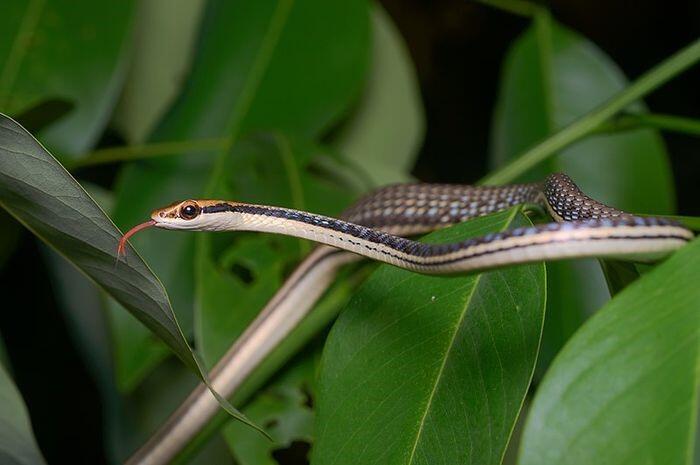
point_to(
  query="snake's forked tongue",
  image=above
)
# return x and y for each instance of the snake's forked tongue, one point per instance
(121, 248)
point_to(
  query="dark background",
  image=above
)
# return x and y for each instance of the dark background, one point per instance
(458, 48)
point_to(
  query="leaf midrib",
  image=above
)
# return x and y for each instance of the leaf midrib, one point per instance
(438, 377)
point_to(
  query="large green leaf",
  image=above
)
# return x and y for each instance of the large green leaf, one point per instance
(551, 76)
(66, 50)
(164, 37)
(44, 197)
(386, 130)
(41, 194)
(17, 443)
(624, 389)
(324, 313)
(431, 369)
(263, 77)
(79, 300)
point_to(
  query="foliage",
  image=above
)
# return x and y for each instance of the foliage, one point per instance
(17, 445)
(309, 104)
(551, 77)
(411, 353)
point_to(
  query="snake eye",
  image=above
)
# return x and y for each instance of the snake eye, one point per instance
(189, 211)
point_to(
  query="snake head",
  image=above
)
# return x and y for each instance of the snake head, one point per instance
(184, 215)
(201, 215)
(179, 215)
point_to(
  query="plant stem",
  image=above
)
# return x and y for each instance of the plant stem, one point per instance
(671, 123)
(157, 149)
(588, 123)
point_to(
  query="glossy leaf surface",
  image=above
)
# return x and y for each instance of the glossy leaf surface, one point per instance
(38, 192)
(624, 388)
(45, 198)
(431, 369)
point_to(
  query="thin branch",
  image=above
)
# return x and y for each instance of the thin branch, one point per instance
(588, 123)
(157, 149)
(670, 123)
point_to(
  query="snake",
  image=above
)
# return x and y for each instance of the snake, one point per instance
(377, 227)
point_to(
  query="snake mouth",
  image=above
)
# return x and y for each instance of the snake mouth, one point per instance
(121, 248)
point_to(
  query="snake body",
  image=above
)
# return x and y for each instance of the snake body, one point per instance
(372, 228)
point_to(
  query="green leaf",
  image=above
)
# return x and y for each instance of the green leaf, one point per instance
(301, 92)
(135, 349)
(264, 77)
(164, 39)
(284, 408)
(134, 353)
(619, 274)
(428, 369)
(624, 388)
(320, 318)
(66, 50)
(236, 279)
(552, 76)
(386, 130)
(17, 443)
(41, 195)
(144, 409)
(129, 418)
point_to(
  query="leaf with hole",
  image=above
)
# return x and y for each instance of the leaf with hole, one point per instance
(284, 409)
(237, 277)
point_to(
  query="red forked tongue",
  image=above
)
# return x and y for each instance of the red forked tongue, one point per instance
(121, 248)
